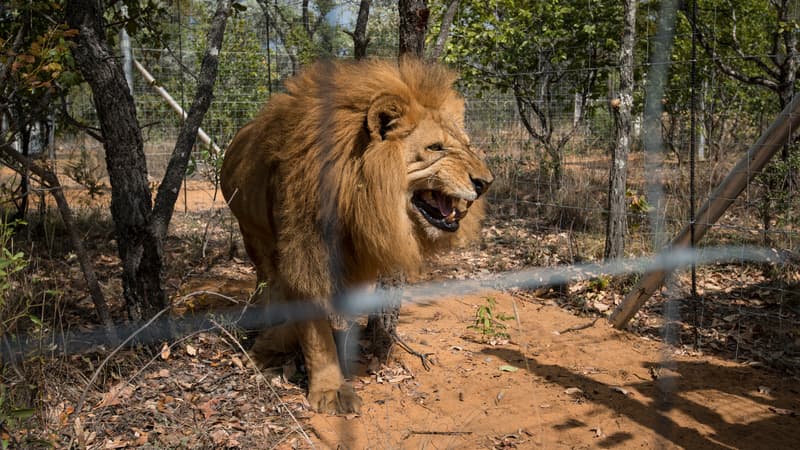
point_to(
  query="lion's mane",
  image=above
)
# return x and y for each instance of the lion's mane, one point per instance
(335, 212)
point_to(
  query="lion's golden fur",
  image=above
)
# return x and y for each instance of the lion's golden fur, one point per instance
(304, 156)
(319, 180)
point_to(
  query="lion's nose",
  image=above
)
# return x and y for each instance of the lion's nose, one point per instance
(480, 184)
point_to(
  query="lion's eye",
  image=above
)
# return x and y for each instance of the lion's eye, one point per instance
(437, 147)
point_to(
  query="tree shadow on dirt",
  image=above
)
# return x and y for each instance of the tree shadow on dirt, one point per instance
(671, 394)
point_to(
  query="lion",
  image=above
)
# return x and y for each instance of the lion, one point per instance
(358, 170)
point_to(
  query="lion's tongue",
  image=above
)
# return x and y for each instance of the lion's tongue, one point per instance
(445, 205)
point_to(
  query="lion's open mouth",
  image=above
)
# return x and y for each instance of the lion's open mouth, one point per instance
(441, 210)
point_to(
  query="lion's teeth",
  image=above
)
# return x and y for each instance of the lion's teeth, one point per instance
(451, 217)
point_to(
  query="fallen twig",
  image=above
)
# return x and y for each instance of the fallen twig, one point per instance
(580, 327)
(442, 433)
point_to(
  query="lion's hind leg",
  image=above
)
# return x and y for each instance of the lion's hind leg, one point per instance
(275, 346)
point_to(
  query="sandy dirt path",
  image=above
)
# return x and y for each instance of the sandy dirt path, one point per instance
(550, 388)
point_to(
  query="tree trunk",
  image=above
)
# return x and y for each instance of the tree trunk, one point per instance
(179, 160)
(359, 35)
(139, 248)
(444, 29)
(382, 325)
(617, 225)
(413, 26)
(24, 184)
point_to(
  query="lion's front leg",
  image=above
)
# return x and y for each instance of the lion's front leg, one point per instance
(328, 392)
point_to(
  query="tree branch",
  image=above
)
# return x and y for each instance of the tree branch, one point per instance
(727, 69)
(50, 180)
(91, 131)
(265, 7)
(15, 47)
(737, 48)
(522, 105)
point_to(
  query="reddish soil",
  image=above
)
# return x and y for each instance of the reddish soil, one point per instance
(592, 387)
(554, 382)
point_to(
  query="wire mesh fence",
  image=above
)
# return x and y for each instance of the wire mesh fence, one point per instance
(545, 229)
(528, 204)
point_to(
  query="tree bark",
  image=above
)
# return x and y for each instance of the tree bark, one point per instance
(617, 224)
(359, 35)
(444, 30)
(138, 246)
(140, 230)
(413, 26)
(179, 160)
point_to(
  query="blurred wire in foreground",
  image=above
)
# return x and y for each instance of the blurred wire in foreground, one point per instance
(367, 300)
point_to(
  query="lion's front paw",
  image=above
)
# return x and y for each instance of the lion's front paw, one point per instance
(343, 400)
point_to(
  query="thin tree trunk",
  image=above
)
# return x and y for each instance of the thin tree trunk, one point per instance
(274, 18)
(139, 247)
(178, 162)
(413, 26)
(382, 325)
(617, 225)
(50, 180)
(359, 35)
(444, 29)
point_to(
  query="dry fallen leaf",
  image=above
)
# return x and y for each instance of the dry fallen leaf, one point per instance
(163, 373)
(116, 395)
(141, 436)
(191, 350)
(597, 432)
(573, 391)
(63, 417)
(233, 442)
(237, 362)
(112, 444)
(165, 351)
(207, 408)
(620, 389)
(220, 437)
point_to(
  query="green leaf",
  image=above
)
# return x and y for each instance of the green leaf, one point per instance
(23, 413)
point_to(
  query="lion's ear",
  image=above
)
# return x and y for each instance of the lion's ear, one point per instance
(385, 114)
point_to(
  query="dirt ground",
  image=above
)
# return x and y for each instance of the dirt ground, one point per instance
(557, 380)
(553, 385)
